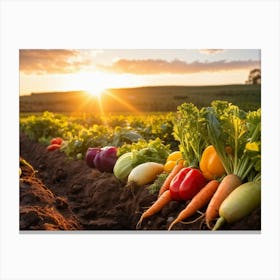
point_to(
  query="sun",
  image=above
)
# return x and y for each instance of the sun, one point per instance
(96, 91)
(92, 83)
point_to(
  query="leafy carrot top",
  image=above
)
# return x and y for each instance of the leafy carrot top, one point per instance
(230, 126)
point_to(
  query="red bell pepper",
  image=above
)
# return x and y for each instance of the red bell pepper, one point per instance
(193, 182)
(176, 182)
(186, 184)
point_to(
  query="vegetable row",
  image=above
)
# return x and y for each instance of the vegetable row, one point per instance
(82, 131)
(214, 163)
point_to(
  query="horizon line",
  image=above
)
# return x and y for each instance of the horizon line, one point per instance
(135, 87)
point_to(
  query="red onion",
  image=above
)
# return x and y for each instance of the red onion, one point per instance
(105, 160)
(90, 155)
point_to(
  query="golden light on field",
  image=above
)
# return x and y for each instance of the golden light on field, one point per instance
(97, 86)
(123, 102)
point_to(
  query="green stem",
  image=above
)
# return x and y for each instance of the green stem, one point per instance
(219, 223)
(257, 178)
(255, 133)
(235, 147)
(243, 162)
(245, 173)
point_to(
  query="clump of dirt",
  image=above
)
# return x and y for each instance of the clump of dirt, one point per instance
(87, 199)
(40, 209)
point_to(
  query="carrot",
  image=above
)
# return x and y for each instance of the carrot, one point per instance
(197, 202)
(169, 178)
(227, 185)
(156, 207)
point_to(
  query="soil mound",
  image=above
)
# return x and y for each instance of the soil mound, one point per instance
(40, 209)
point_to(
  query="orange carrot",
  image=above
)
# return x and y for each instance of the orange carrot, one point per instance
(156, 207)
(227, 185)
(169, 178)
(197, 202)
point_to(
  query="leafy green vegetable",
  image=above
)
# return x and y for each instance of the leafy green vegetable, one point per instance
(253, 146)
(189, 132)
(84, 130)
(229, 126)
(155, 187)
(95, 136)
(143, 151)
(124, 135)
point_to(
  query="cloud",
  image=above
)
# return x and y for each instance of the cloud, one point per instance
(61, 61)
(53, 61)
(150, 66)
(211, 51)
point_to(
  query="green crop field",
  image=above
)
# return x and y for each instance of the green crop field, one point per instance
(142, 99)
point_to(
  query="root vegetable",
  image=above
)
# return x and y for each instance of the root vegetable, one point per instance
(90, 155)
(227, 185)
(145, 173)
(198, 201)
(240, 203)
(105, 159)
(163, 200)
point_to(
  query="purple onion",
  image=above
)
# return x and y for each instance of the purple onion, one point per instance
(105, 160)
(90, 156)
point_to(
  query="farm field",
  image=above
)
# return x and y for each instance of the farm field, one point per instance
(60, 189)
(142, 99)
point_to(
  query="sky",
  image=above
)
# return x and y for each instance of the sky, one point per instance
(93, 70)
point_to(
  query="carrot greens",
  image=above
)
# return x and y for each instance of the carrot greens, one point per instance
(230, 126)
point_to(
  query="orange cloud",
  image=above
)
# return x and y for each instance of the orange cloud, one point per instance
(51, 61)
(211, 51)
(150, 66)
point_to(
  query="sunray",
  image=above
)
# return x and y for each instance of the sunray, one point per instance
(123, 102)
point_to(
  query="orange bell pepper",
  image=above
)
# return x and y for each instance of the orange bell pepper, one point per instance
(210, 163)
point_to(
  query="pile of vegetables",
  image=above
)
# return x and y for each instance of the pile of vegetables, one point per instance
(138, 162)
(135, 154)
(221, 167)
(229, 126)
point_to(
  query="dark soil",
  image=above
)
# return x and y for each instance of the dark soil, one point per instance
(65, 194)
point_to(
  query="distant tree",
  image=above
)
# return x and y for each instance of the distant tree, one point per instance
(254, 77)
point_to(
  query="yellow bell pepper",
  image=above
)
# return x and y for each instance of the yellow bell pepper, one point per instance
(210, 164)
(169, 165)
(172, 160)
(174, 156)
